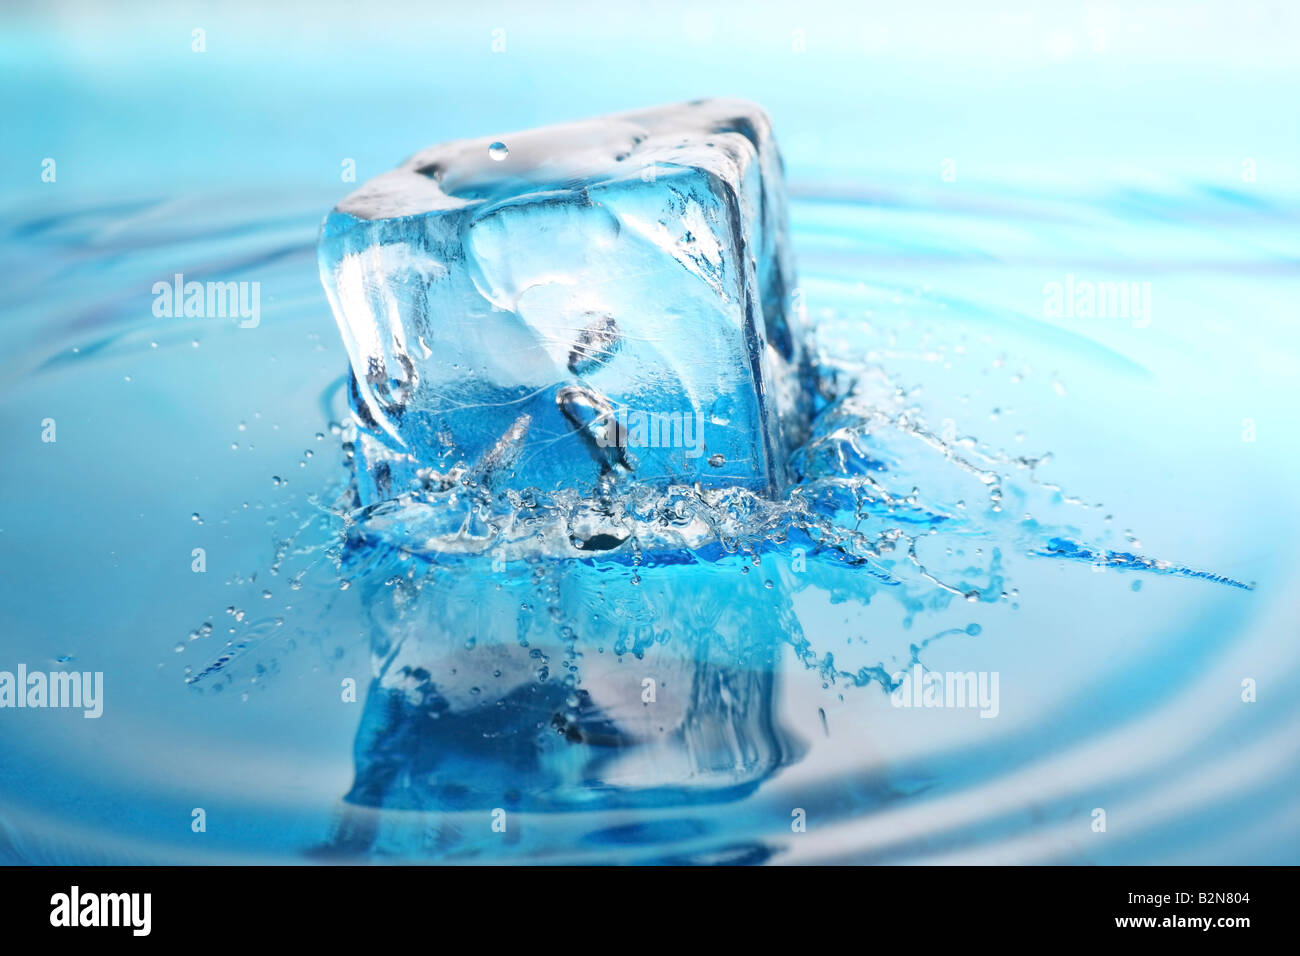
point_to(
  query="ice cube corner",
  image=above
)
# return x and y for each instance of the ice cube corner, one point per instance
(542, 308)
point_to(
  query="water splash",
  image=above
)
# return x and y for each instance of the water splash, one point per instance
(881, 505)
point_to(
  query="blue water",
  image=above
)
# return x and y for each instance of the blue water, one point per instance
(1135, 565)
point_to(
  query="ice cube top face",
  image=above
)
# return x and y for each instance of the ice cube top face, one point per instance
(541, 308)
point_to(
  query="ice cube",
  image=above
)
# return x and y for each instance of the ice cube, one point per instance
(543, 308)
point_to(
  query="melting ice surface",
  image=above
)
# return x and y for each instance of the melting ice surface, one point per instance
(611, 295)
(563, 616)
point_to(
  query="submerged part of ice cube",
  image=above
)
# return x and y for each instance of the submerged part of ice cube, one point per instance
(601, 298)
(568, 687)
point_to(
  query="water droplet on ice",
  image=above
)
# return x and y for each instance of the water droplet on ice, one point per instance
(498, 151)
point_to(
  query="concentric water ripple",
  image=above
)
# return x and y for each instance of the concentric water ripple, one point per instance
(1121, 689)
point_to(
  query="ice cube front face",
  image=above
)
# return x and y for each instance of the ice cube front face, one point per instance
(607, 296)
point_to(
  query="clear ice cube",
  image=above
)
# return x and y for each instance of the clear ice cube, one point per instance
(539, 309)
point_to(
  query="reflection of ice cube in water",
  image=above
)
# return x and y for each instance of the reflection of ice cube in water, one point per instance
(570, 687)
(636, 262)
